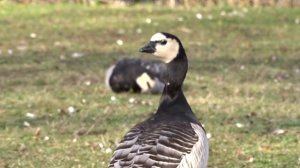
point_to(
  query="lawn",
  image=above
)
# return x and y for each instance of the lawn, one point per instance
(55, 111)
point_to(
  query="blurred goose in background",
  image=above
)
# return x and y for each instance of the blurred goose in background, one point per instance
(134, 74)
(172, 137)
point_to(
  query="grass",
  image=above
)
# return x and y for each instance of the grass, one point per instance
(244, 70)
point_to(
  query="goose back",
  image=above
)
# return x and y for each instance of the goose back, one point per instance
(161, 142)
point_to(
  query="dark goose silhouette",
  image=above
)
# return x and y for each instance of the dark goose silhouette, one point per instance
(136, 75)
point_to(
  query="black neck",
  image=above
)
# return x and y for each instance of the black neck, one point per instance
(172, 98)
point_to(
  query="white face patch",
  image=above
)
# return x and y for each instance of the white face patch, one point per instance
(145, 82)
(158, 37)
(168, 51)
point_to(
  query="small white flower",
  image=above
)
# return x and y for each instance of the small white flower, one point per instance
(74, 140)
(131, 100)
(148, 20)
(250, 160)
(71, 109)
(208, 135)
(297, 21)
(108, 150)
(139, 31)
(10, 52)
(57, 43)
(239, 125)
(279, 131)
(242, 67)
(77, 55)
(88, 83)
(33, 35)
(46, 138)
(83, 101)
(180, 19)
(101, 145)
(120, 42)
(62, 57)
(223, 13)
(199, 16)
(30, 115)
(26, 124)
(113, 98)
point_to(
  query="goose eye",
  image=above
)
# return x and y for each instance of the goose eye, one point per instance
(163, 42)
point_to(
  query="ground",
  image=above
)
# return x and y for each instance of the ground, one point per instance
(55, 111)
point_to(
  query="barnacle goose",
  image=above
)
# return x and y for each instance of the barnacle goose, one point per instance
(172, 137)
(134, 74)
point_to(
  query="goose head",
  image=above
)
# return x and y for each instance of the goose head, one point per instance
(169, 49)
(165, 46)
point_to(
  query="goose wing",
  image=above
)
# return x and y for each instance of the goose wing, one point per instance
(164, 145)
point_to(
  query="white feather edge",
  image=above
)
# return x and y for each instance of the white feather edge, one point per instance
(108, 74)
(198, 157)
(125, 151)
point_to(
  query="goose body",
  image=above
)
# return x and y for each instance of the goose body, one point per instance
(133, 74)
(172, 137)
